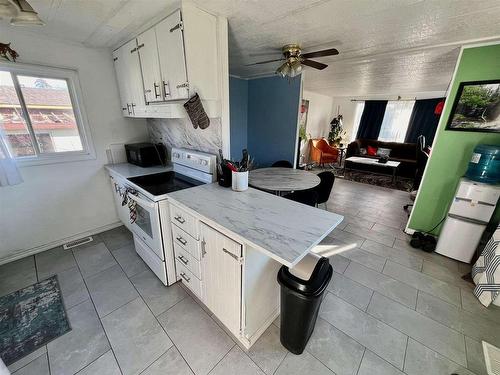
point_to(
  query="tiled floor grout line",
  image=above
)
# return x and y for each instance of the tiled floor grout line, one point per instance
(360, 362)
(155, 317)
(281, 363)
(224, 356)
(95, 309)
(406, 352)
(354, 339)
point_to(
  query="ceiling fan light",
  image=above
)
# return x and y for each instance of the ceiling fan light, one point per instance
(26, 16)
(295, 68)
(284, 70)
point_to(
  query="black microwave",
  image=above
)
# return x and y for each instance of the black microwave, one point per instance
(146, 154)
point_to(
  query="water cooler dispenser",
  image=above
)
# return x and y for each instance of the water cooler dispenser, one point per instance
(473, 205)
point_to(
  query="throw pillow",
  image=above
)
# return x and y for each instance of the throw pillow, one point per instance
(383, 151)
(372, 151)
(362, 151)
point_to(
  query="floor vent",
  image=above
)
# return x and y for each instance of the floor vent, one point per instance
(492, 358)
(76, 243)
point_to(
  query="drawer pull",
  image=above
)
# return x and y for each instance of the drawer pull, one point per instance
(230, 253)
(183, 260)
(181, 240)
(203, 248)
(180, 219)
(183, 275)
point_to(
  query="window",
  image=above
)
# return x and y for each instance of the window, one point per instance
(40, 115)
(395, 123)
(360, 106)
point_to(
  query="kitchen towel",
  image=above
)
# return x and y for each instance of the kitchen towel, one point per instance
(197, 113)
(486, 271)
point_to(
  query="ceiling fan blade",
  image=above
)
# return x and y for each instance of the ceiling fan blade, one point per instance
(265, 62)
(325, 52)
(314, 64)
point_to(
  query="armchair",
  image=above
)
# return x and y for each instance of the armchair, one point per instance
(321, 152)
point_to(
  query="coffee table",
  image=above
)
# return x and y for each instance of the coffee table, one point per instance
(367, 161)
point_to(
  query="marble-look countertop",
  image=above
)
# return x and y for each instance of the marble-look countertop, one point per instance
(282, 179)
(127, 170)
(283, 229)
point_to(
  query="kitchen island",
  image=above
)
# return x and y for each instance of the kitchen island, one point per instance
(229, 246)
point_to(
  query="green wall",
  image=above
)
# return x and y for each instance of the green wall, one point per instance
(452, 149)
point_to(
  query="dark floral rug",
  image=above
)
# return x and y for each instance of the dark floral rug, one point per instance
(401, 183)
(30, 318)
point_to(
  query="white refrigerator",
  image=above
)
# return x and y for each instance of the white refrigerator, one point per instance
(467, 218)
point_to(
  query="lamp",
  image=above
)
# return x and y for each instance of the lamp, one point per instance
(25, 16)
(290, 68)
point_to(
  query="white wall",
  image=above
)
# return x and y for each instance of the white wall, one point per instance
(64, 200)
(347, 110)
(319, 115)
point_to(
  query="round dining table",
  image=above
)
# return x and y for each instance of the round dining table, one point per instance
(282, 180)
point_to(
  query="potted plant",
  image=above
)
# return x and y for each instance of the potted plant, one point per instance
(337, 132)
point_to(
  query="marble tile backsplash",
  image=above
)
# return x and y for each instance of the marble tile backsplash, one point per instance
(180, 133)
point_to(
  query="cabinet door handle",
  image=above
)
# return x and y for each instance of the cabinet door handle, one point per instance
(140, 46)
(128, 109)
(183, 85)
(183, 260)
(181, 240)
(183, 275)
(203, 248)
(157, 95)
(180, 219)
(230, 253)
(166, 88)
(147, 91)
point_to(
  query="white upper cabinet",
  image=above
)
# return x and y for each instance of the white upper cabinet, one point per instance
(129, 76)
(172, 57)
(151, 76)
(122, 80)
(170, 62)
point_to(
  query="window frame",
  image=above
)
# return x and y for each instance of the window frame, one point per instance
(76, 97)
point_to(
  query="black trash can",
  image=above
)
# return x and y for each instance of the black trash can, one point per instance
(300, 301)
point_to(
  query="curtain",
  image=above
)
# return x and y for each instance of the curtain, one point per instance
(371, 119)
(395, 123)
(9, 173)
(423, 121)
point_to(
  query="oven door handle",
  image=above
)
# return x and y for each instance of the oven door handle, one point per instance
(141, 202)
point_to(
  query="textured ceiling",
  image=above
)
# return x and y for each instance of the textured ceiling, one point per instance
(386, 46)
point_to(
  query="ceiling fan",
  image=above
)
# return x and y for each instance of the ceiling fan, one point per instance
(294, 59)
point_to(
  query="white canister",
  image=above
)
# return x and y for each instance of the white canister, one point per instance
(240, 181)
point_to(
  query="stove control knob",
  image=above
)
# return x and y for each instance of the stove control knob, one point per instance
(203, 162)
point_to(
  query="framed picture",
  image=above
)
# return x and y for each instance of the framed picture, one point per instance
(476, 107)
(304, 110)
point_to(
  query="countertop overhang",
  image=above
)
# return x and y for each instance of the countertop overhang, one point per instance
(283, 229)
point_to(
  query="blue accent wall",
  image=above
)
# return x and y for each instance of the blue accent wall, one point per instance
(238, 117)
(263, 118)
(273, 106)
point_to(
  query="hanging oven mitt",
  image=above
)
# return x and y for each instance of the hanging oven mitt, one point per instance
(197, 113)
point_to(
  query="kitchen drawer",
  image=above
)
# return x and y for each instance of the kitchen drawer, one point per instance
(190, 280)
(151, 259)
(184, 220)
(188, 260)
(187, 242)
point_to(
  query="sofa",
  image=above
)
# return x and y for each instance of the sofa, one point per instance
(321, 152)
(405, 153)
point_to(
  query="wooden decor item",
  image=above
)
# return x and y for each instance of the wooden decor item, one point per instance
(8, 53)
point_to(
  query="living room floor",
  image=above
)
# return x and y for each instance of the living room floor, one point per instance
(389, 309)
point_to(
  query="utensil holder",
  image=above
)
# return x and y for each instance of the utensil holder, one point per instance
(240, 181)
(225, 177)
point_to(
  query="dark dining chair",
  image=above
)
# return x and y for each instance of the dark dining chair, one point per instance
(309, 197)
(324, 188)
(282, 164)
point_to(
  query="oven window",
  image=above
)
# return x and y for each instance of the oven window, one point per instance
(143, 220)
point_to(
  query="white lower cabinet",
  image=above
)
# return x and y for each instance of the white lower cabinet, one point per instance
(221, 268)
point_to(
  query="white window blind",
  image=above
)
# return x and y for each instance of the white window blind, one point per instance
(395, 123)
(360, 106)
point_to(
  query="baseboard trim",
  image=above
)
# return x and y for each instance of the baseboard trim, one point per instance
(60, 242)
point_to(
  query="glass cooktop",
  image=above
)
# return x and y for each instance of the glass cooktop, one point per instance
(162, 183)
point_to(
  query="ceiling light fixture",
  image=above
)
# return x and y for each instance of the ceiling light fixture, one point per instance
(21, 14)
(7, 10)
(290, 68)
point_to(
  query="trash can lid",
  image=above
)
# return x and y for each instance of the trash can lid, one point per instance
(315, 284)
